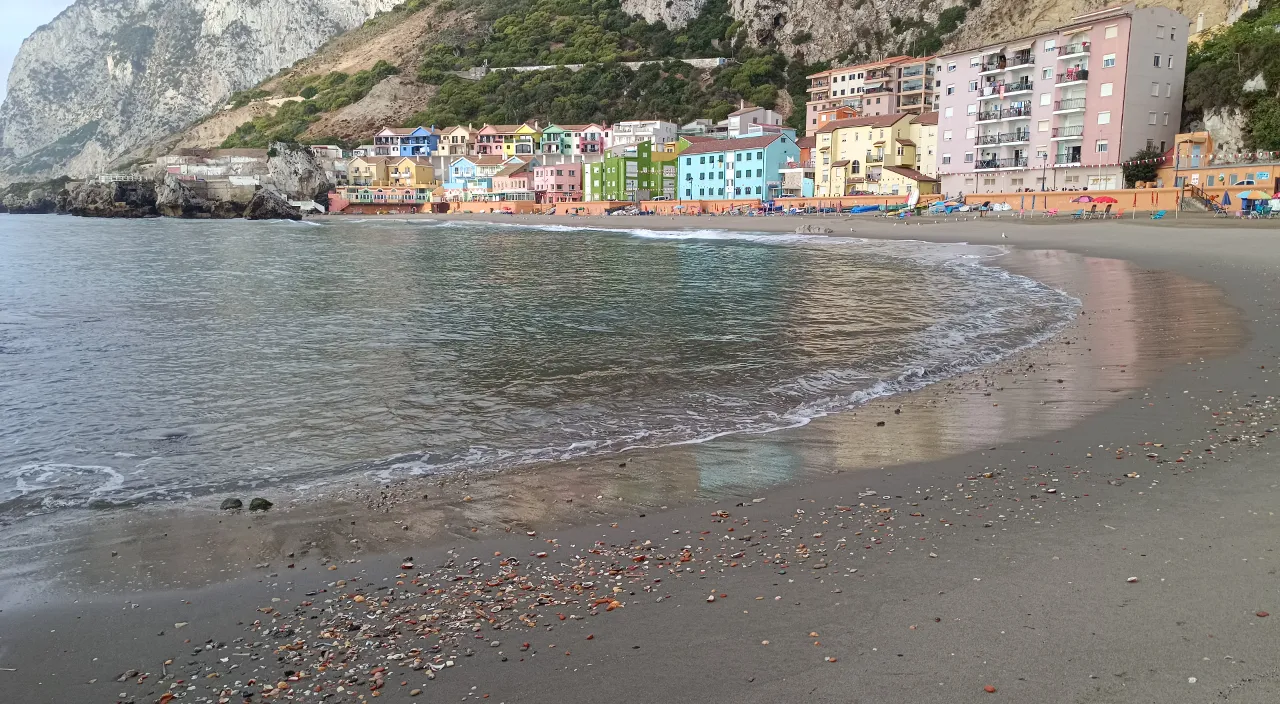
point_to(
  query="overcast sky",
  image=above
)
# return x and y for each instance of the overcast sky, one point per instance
(20, 19)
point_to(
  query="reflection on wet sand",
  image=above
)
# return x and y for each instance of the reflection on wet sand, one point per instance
(1133, 323)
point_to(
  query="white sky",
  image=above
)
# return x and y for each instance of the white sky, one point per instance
(20, 19)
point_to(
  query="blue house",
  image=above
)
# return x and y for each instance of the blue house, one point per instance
(746, 167)
(408, 141)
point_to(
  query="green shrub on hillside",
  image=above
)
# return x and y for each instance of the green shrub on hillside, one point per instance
(1219, 67)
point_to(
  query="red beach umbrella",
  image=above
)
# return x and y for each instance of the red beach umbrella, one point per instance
(1105, 199)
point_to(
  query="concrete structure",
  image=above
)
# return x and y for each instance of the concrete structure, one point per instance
(798, 180)
(741, 120)
(457, 141)
(410, 141)
(560, 183)
(895, 84)
(508, 140)
(1065, 107)
(741, 168)
(214, 163)
(627, 173)
(573, 140)
(513, 182)
(637, 131)
(1194, 160)
(924, 132)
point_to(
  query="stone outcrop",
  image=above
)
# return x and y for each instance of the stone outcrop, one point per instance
(36, 202)
(296, 172)
(105, 76)
(269, 204)
(122, 199)
(176, 199)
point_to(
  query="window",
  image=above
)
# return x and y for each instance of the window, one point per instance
(1156, 61)
(973, 86)
(1050, 45)
(968, 157)
(1108, 60)
(972, 109)
(702, 160)
(1047, 74)
(1046, 98)
(1042, 126)
(1173, 34)
(974, 61)
(948, 112)
(1110, 32)
(988, 182)
(1159, 31)
(1233, 179)
(1168, 61)
(1101, 146)
(951, 89)
(946, 158)
(1151, 118)
(1168, 90)
(1104, 118)
(737, 174)
(971, 133)
(1105, 90)
(946, 134)
(759, 155)
(759, 173)
(688, 192)
(951, 66)
(1155, 90)
(1166, 119)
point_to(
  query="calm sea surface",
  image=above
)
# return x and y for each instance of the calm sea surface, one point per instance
(161, 359)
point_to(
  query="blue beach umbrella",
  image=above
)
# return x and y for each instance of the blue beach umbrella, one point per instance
(1226, 198)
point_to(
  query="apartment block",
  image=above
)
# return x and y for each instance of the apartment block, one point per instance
(892, 85)
(1063, 108)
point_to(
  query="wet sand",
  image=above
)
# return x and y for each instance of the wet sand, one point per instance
(998, 581)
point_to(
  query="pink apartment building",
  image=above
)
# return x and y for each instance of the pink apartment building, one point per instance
(561, 183)
(1062, 109)
(892, 85)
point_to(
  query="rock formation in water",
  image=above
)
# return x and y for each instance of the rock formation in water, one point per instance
(121, 199)
(270, 204)
(296, 172)
(176, 199)
(35, 202)
(108, 75)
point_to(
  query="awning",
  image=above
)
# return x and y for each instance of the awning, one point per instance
(1020, 46)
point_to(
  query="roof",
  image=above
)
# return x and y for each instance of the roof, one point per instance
(745, 110)
(909, 173)
(927, 118)
(505, 129)
(866, 121)
(419, 160)
(576, 128)
(807, 142)
(731, 145)
(399, 130)
(907, 142)
(698, 138)
(373, 159)
(488, 160)
(510, 170)
(842, 162)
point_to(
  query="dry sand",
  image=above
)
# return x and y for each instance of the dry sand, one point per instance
(1018, 581)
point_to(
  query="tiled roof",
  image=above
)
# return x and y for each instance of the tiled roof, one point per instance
(744, 111)
(502, 129)
(488, 160)
(869, 121)
(510, 170)
(731, 145)
(907, 142)
(842, 162)
(698, 138)
(927, 118)
(399, 130)
(807, 142)
(910, 173)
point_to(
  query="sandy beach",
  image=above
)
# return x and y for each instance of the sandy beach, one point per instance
(1090, 520)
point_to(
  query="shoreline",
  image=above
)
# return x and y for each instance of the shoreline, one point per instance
(648, 624)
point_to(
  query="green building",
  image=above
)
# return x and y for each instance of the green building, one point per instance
(627, 173)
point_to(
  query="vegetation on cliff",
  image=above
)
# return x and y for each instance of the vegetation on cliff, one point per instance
(1238, 69)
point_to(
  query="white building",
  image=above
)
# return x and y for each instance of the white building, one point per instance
(740, 121)
(636, 131)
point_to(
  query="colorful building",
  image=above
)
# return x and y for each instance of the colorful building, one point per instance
(508, 140)
(745, 167)
(637, 131)
(457, 141)
(851, 154)
(740, 120)
(924, 132)
(573, 140)
(559, 183)
(411, 171)
(892, 85)
(514, 181)
(1063, 108)
(627, 173)
(1195, 160)
(367, 170)
(410, 141)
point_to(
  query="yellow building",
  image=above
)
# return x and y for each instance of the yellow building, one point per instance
(901, 181)
(1195, 160)
(368, 170)
(850, 155)
(412, 172)
(924, 132)
(456, 141)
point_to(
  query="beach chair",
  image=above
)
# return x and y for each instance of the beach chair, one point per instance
(1078, 215)
(1051, 213)
(1158, 215)
(1092, 212)
(1119, 214)
(1105, 213)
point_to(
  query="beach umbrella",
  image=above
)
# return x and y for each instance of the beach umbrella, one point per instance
(1105, 199)
(1226, 199)
(1253, 195)
(1082, 199)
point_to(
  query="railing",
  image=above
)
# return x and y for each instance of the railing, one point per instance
(1072, 131)
(1019, 136)
(989, 115)
(912, 87)
(911, 102)
(881, 89)
(997, 65)
(1009, 163)
(1069, 104)
(875, 158)
(1080, 74)
(1069, 49)
(1015, 112)
(912, 72)
(987, 139)
(818, 84)
(1022, 60)
(1068, 158)
(995, 88)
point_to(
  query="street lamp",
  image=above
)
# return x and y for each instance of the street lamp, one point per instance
(1177, 163)
(1044, 166)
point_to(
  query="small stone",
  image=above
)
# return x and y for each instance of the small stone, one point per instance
(1191, 680)
(259, 504)
(415, 692)
(1131, 580)
(989, 689)
(231, 505)
(1263, 614)
(711, 598)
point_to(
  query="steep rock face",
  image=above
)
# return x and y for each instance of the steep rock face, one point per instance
(176, 199)
(107, 75)
(33, 203)
(131, 199)
(675, 13)
(269, 204)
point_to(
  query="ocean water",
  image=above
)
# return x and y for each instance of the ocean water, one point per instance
(163, 360)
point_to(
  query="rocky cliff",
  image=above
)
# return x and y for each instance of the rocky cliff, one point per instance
(107, 75)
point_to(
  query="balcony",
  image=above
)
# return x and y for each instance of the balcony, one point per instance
(1018, 162)
(989, 115)
(1067, 159)
(992, 66)
(913, 71)
(1070, 132)
(1001, 89)
(1016, 113)
(1078, 75)
(877, 89)
(912, 86)
(1015, 137)
(1068, 105)
(912, 102)
(1079, 49)
(987, 139)
(875, 159)
(1020, 60)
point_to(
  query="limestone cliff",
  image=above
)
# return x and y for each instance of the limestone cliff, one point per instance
(107, 75)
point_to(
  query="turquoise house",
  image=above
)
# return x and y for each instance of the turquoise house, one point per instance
(747, 167)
